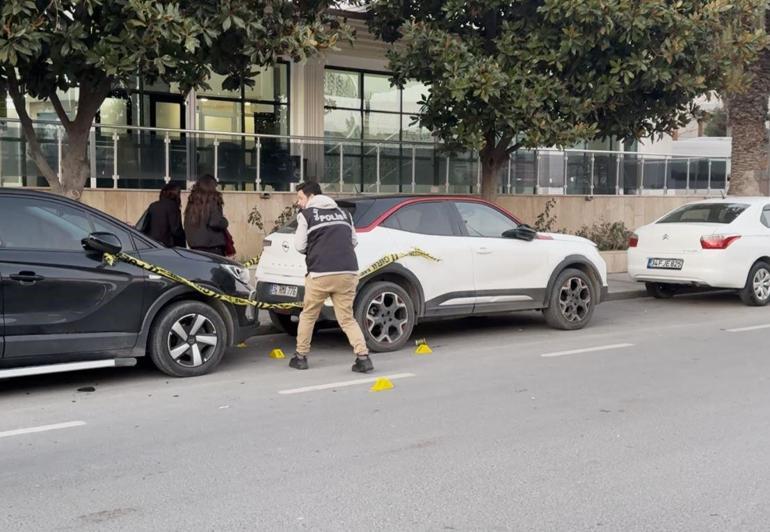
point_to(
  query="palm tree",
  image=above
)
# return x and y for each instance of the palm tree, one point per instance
(747, 116)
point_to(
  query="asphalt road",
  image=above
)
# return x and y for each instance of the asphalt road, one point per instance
(655, 418)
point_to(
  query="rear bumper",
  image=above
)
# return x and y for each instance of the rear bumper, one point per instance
(264, 296)
(698, 270)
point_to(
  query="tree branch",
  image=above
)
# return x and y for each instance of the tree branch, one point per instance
(59, 108)
(33, 145)
(513, 148)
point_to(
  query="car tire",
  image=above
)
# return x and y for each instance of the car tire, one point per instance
(756, 293)
(387, 317)
(662, 290)
(571, 301)
(284, 323)
(172, 332)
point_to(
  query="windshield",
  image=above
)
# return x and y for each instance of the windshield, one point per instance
(711, 213)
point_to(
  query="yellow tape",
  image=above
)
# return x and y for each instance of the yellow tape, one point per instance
(111, 259)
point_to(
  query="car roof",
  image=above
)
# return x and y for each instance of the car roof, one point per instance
(751, 200)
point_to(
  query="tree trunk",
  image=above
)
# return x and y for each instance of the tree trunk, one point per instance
(75, 166)
(492, 161)
(747, 116)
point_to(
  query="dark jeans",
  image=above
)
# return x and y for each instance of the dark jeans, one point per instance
(218, 250)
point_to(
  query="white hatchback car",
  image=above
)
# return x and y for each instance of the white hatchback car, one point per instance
(721, 243)
(489, 263)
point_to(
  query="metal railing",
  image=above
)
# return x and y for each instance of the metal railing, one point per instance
(142, 157)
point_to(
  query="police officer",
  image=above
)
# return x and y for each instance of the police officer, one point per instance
(327, 238)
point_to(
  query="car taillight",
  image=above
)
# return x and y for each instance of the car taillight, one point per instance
(633, 240)
(717, 241)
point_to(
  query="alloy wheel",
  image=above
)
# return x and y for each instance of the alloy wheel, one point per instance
(761, 284)
(192, 340)
(575, 299)
(387, 317)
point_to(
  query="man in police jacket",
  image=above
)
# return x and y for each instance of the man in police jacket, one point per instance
(327, 238)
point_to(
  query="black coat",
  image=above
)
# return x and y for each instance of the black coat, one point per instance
(164, 223)
(209, 232)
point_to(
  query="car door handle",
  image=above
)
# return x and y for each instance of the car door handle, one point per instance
(483, 251)
(27, 277)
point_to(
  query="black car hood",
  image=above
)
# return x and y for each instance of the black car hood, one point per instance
(202, 256)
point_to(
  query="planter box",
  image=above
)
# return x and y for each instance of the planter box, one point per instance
(617, 261)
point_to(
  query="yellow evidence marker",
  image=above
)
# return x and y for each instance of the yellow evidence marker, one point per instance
(381, 384)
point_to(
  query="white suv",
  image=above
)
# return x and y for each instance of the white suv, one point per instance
(489, 263)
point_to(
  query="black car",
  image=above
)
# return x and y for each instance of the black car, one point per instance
(60, 303)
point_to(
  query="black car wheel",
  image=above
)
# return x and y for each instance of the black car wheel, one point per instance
(756, 293)
(188, 339)
(284, 323)
(571, 302)
(386, 314)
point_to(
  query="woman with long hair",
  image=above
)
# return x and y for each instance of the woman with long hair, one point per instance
(163, 220)
(204, 219)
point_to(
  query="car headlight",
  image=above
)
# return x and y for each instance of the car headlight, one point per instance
(242, 274)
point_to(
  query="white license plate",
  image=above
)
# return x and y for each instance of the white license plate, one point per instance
(284, 290)
(665, 264)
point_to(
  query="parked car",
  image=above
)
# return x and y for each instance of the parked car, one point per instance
(723, 243)
(489, 263)
(60, 303)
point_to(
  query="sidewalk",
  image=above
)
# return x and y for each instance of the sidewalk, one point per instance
(620, 284)
(622, 287)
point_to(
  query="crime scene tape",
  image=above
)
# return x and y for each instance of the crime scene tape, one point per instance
(111, 259)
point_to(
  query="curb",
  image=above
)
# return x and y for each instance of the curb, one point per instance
(624, 295)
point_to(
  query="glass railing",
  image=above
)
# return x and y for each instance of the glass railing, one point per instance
(134, 157)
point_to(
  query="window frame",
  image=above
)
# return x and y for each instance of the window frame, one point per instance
(449, 209)
(461, 223)
(765, 208)
(89, 214)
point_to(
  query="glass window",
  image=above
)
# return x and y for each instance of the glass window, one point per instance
(34, 224)
(379, 94)
(412, 94)
(45, 225)
(382, 126)
(766, 216)
(412, 131)
(484, 221)
(266, 119)
(215, 82)
(342, 123)
(105, 226)
(714, 213)
(424, 218)
(271, 84)
(114, 111)
(342, 89)
(216, 115)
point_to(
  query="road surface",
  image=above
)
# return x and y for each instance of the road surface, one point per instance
(657, 417)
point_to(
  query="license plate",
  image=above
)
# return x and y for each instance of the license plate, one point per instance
(665, 264)
(284, 290)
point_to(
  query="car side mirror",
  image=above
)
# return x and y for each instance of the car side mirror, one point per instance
(522, 232)
(102, 243)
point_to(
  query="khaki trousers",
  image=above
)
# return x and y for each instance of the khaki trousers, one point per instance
(342, 290)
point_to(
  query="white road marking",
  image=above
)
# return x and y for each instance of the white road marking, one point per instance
(586, 350)
(746, 329)
(344, 383)
(42, 428)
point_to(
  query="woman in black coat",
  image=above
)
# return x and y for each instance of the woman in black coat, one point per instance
(164, 217)
(204, 220)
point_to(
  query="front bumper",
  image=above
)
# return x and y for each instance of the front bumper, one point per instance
(246, 324)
